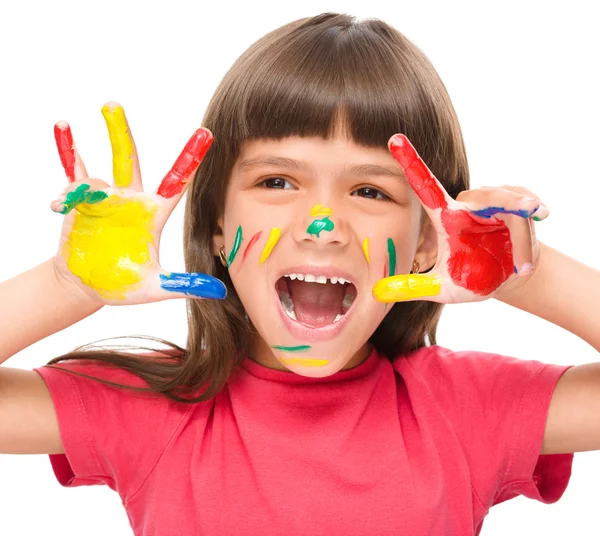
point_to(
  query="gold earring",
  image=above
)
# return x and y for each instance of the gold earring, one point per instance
(415, 267)
(222, 256)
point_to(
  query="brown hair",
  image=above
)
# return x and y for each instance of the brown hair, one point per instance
(300, 79)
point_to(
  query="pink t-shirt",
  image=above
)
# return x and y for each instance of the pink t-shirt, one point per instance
(422, 446)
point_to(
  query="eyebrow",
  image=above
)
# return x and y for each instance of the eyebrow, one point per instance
(298, 165)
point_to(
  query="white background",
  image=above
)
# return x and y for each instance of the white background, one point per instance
(524, 81)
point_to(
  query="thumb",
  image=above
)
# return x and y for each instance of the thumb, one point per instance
(407, 287)
(188, 285)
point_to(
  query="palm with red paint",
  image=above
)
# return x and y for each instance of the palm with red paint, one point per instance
(482, 236)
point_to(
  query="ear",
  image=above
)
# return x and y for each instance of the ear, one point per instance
(427, 246)
(218, 239)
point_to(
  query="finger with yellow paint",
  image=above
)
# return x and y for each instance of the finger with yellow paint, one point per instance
(407, 287)
(126, 166)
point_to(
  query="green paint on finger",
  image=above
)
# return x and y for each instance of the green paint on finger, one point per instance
(81, 195)
(236, 245)
(301, 348)
(324, 224)
(392, 256)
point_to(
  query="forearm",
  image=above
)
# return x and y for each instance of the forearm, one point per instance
(34, 305)
(563, 291)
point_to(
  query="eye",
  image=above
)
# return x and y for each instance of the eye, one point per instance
(276, 183)
(371, 193)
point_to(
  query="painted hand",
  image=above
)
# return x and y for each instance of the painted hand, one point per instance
(485, 237)
(111, 234)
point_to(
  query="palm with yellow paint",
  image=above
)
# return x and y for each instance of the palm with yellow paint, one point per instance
(111, 233)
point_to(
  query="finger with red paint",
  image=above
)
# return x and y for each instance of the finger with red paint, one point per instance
(177, 180)
(67, 152)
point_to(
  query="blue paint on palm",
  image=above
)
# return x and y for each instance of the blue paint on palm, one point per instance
(200, 285)
(492, 211)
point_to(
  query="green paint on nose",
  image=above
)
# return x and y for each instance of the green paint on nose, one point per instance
(81, 195)
(324, 224)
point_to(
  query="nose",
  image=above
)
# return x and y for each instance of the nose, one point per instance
(321, 224)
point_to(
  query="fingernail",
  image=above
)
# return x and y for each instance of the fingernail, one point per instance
(526, 269)
(535, 218)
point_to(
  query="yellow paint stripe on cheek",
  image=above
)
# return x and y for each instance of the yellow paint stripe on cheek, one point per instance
(365, 247)
(320, 210)
(271, 241)
(108, 247)
(121, 143)
(307, 362)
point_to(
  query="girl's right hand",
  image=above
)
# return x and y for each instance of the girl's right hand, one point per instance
(111, 234)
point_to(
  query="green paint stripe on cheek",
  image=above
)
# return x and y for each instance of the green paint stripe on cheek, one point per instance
(392, 257)
(236, 245)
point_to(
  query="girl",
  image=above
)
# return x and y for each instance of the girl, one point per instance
(327, 222)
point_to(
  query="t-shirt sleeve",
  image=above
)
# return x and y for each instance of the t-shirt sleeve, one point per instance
(499, 406)
(110, 435)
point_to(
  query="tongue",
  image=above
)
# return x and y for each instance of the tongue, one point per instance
(316, 304)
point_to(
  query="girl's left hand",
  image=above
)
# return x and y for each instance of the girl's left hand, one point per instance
(486, 238)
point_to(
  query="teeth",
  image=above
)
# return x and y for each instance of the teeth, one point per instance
(312, 278)
(347, 302)
(288, 304)
(337, 318)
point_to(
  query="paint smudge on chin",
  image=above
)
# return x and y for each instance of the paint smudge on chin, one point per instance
(365, 248)
(201, 285)
(304, 361)
(253, 241)
(391, 256)
(271, 242)
(236, 245)
(301, 348)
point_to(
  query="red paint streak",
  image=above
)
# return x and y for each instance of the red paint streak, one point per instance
(481, 256)
(424, 184)
(385, 269)
(66, 152)
(250, 244)
(187, 162)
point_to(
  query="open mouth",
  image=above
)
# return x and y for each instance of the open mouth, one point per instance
(315, 300)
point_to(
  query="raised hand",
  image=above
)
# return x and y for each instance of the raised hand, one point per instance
(111, 234)
(485, 237)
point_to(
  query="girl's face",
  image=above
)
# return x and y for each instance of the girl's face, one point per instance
(309, 227)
